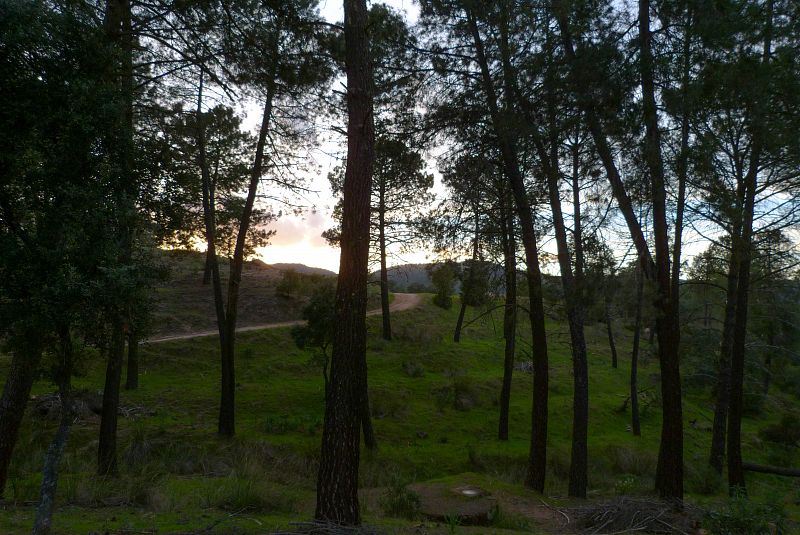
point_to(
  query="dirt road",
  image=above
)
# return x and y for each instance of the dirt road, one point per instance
(401, 302)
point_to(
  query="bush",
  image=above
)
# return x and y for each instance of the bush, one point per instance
(786, 432)
(702, 479)
(399, 501)
(628, 460)
(741, 516)
(413, 369)
(443, 277)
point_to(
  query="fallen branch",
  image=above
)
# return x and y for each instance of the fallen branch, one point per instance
(775, 470)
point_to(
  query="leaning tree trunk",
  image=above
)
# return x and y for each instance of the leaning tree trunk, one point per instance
(537, 459)
(19, 381)
(337, 481)
(510, 312)
(132, 374)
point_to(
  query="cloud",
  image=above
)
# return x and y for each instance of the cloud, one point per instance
(291, 229)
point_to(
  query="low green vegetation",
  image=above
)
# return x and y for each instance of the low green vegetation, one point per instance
(434, 405)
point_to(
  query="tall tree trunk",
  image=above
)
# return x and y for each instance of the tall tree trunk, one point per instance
(337, 481)
(385, 314)
(119, 32)
(107, 445)
(669, 473)
(578, 470)
(510, 312)
(718, 428)
(132, 375)
(209, 219)
(16, 392)
(537, 462)
(637, 331)
(47, 495)
(736, 482)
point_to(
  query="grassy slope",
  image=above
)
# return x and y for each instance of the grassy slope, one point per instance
(177, 476)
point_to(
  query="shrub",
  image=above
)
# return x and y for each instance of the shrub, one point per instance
(443, 276)
(413, 369)
(786, 432)
(741, 516)
(702, 479)
(399, 501)
(628, 460)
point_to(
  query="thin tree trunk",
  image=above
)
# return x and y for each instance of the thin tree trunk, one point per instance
(207, 269)
(107, 445)
(736, 482)
(637, 330)
(370, 441)
(337, 481)
(718, 428)
(385, 314)
(118, 29)
(537, 462)
(132, 375)
(610, 332)
(16, 392)
(470, 278)
(209, 219)
(47, 496)
(510, 312)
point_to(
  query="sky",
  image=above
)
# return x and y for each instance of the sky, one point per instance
(298, 238)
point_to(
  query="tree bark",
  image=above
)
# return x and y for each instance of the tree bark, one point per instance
(510, 312)
(47, 495)
(637, 330)
(471, 276)
(720, 423)
(16, 392)
(337, 481)
(736, 482)
(610, 333)
(107, 445)
(132, 375)
(385, 314)
(207, 269)
(537, 462)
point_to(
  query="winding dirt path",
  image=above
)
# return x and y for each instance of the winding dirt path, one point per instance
(401, 302)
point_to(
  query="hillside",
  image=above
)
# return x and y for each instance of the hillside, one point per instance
(434, 405)
(183, 304)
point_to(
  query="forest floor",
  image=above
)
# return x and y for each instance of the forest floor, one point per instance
(435, 409)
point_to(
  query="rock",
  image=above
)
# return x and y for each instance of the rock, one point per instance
(469, 504)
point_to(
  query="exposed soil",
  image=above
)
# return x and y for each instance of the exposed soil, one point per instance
(401, 302)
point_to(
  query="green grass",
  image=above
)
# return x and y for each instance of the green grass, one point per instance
(177, 475)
